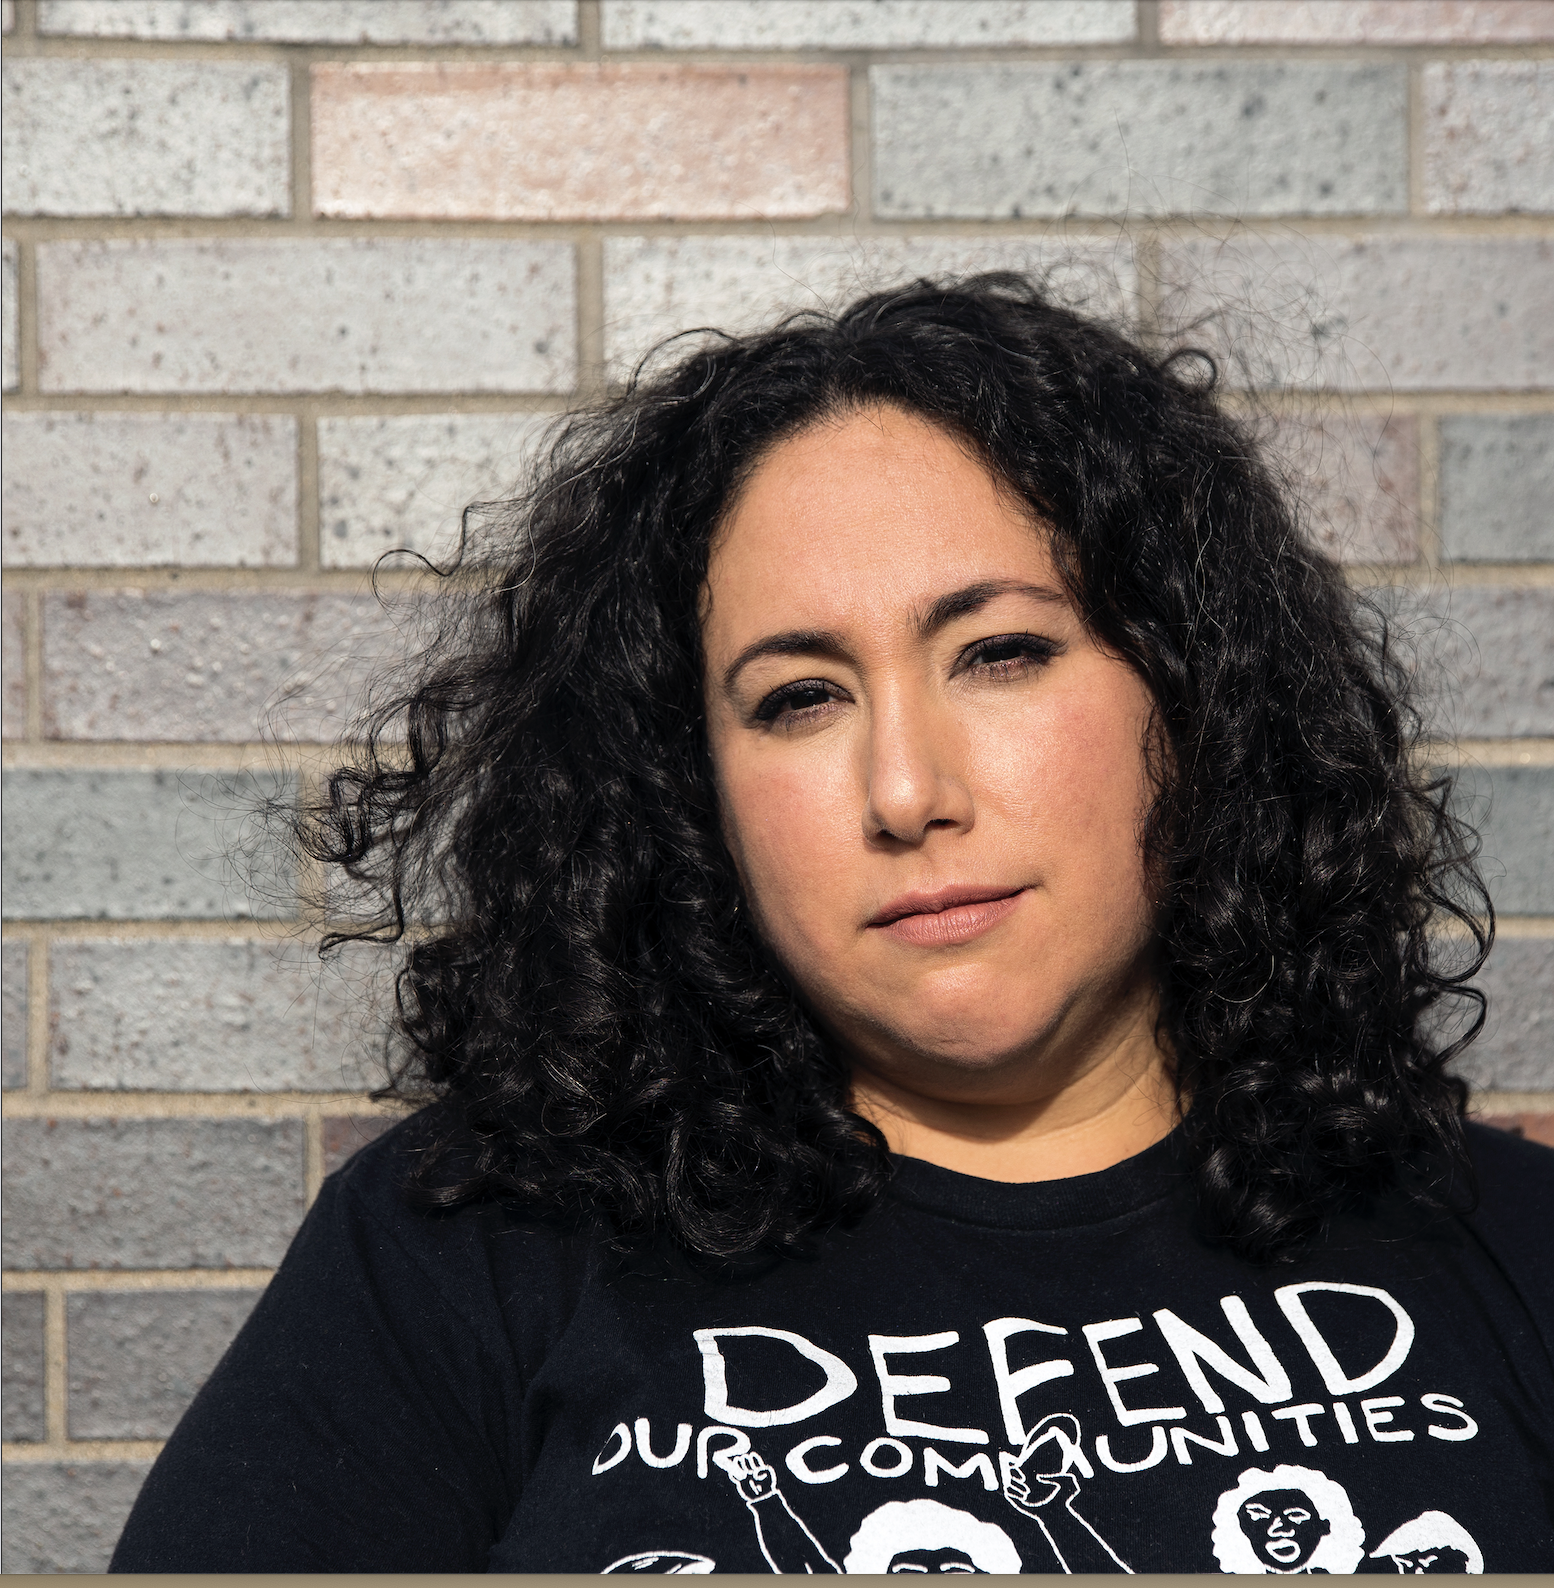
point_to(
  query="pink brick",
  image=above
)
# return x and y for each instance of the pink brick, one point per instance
(13, 666)
(171, 667)
(1356, 478)
(587, 142)
(346, 1134)
(1533, 1127)
(1489, 137)
(1355, 21)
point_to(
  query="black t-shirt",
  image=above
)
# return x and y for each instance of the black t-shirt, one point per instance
(979, 1377)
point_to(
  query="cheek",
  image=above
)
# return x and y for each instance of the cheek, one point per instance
(793, 832)
(1073, 778)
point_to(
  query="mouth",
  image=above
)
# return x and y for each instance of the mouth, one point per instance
(948, 916)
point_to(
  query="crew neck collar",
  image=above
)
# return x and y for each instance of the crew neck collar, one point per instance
(1126, 1187)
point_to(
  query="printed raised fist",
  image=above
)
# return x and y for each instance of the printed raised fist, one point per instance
(750, 1475)
(1018, 1490)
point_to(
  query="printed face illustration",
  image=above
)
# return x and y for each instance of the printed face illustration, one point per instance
(1418, 1562)
(933, 1560)
(1282, 1525)
(932, 776)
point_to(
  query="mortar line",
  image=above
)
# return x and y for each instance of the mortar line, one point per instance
(860, 165)
(1379, 401)
(590, 33)
(25, 21)
(37, 1034)
(1443, 227)
(1429, 442)
(82, 1450)
(270, 1107)
(32, 640)
(56, 1382)
(1147, 25)
(300, 172)
(308, 510)
(1414, 139)
(313, 1157)
(82, 1281)
(592, 374)
(26, 312)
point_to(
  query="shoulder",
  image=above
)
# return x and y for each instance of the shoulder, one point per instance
(1515, 1176)
(473, 1255)
(1514, 1213)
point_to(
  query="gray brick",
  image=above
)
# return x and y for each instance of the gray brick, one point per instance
(135, 845)
(13, 1014)
(204, 667)
(151, 1193)
(97, 137)
(1513, 808)
(861, 24)
(1497, 487)
(408, 314)
(200, 1016)
(22, 1353)
(1139, 138)
(386, 483)
(66, 1516)
(137, 1358)
(126, 490)
(1360, 22)
(659, 286)
(10, 361)
(1492, 649)
(1356, 480)
(1516, 1051)
(1489, 136)
(13, 666)
(309, 22)
(1367, 311)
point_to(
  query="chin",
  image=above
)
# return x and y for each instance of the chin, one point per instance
(971, 1039)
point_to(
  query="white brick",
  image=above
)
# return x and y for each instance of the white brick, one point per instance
(657, 286)
(94, 137)
(338, 314)
(861, 24)
(404, 482)
(126, 490)
(1355, 21)
(1139, 138)
(1489, 137)
(185, 667)
(10, 361)
(232, 1016)
(319, 21)
(1368, 312)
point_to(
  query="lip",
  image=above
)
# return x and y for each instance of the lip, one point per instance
(946, 916)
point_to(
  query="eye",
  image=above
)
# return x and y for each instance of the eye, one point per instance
(805, 699)
(1009, 656)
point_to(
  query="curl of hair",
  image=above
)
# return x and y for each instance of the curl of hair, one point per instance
(607, 1033)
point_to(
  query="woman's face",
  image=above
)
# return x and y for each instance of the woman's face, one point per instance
(932, 777)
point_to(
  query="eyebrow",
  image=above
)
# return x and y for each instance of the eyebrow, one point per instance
(940, 612)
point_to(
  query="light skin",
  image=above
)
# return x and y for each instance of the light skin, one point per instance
(933, 783)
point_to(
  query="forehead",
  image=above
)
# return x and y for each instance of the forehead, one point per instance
(1281, 1499)
(875, 507)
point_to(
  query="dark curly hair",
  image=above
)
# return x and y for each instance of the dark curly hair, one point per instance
(607, 1034)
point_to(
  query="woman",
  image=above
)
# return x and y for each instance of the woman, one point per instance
(934, 988)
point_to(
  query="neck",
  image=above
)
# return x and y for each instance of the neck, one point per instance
(1122, 1103)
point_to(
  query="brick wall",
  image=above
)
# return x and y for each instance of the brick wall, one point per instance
(287, 282)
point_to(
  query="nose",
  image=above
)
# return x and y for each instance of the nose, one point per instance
(916, 774)
(1279, 1528)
